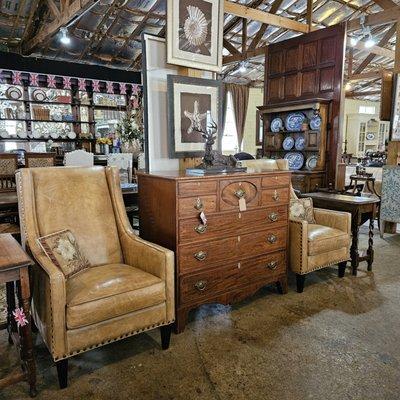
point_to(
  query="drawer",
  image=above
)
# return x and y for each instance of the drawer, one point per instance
(263, 242)
(218, 225)
(203, 254)
(193, 188)
(200, 286)
(264, 268)
(192, 206)
(232, 190)
(274, 181)
(270, 197)
(200, 255)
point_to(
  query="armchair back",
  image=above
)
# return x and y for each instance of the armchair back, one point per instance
(77, 199)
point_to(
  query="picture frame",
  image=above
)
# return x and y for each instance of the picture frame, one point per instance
(395, 119)
(192, 104)
(195, 33)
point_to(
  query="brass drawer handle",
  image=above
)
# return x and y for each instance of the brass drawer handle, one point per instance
(200, 228)
(273, 217)
(198, 205)
(200, 255)
(275, 196)
(271, 238)
(272, 265)
(240, 193)
(200, 285)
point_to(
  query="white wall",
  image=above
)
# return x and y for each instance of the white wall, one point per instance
(249, 136)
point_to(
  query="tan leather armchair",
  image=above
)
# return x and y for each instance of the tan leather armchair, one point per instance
(129, 287)
(312, 246)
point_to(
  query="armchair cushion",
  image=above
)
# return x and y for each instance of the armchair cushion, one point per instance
(108, 291)
(302, 209)
(322, 239)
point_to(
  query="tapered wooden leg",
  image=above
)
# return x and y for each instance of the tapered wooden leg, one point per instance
(165, 336)
(62, 372)
(342, 269)
(282, 286)
(300, 282)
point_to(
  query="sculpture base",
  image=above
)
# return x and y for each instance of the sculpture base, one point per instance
(215, 170)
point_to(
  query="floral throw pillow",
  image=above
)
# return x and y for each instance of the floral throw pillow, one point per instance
(63, 250)
(302, 209)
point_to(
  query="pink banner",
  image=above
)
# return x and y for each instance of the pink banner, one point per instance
(34, 79)
(96, 84)
(51, 81)
(122, 88)
(67, 82)
(81, 84)
(110, 87)
(16, 78)
(135, 89)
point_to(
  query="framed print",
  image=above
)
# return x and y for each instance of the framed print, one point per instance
(194, 33)
(192, 104)
(395, 120)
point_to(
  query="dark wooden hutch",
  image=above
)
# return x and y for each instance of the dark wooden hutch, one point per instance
(300, 74)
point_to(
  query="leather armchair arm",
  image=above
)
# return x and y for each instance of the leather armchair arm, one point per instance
(334, 219)
(298, 245)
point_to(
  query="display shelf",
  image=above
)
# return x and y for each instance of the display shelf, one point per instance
(28, 139)
(46, 121)
(293, 132)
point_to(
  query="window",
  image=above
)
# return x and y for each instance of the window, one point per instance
(229, 138)
(366, 110)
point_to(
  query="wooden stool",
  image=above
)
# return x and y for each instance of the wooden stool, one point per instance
(14, 272)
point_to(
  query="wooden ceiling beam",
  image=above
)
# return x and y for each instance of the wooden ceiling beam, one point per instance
(367, 60)
(366, 76)
(379, 51)
(381, 18)
(259, 35)
(235, 21)
(47, 30)
(230, 47)
(359, 94)
(261, 16)
(243, 56)
(385, 4)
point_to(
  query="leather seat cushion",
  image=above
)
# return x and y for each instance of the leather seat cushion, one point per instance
(322, 239)
(108, 291)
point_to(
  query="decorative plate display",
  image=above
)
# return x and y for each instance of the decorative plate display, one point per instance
(71, 135)
(54, 135)
(276, 124)
(39, 95)
(311, 162)
(288, 143)
(4, 133)
(295, 160)
(370, 136)
(13, 93)
(22, 134)
(315, 122)
(37, 134)
(294, 121)
(300, 143)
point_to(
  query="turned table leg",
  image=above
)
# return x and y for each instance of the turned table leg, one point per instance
(355, 226)
(370, 251)
(26, 346)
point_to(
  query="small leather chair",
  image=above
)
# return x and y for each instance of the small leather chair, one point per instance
(129, 287)
(312, 246)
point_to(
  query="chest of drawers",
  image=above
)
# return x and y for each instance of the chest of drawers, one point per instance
(233, 253)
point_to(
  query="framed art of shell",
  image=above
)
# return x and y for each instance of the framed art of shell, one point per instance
(195, 31)
(193, 103)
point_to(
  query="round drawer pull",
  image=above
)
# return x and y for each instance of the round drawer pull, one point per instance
(240, 193)
(273, 217)
(272, 265)
(200, 255)
(275, 196)
(272, 238)
(200, 228)
(200, 285)
(198, 205)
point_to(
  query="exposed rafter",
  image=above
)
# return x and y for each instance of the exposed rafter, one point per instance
(381, 18)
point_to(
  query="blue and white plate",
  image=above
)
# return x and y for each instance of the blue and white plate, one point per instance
(315, 123)
(295, 160)
(294, 121)
(276, 124)
(311, 162)
(288, 143)
(300, 143)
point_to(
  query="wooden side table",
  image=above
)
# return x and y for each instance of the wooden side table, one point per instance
(14, 265)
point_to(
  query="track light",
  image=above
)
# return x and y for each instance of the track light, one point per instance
(242, 67)
(369, 42)
(65, 39)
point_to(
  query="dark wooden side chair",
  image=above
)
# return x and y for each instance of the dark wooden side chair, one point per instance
(34, 160)
(9, 222)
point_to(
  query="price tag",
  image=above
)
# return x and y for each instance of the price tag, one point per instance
(203, 218)
(242, 204)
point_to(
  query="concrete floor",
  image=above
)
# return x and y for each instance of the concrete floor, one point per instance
(340, 339)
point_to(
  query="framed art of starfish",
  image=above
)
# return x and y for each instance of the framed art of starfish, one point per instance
(192, 104)
(195, 31)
